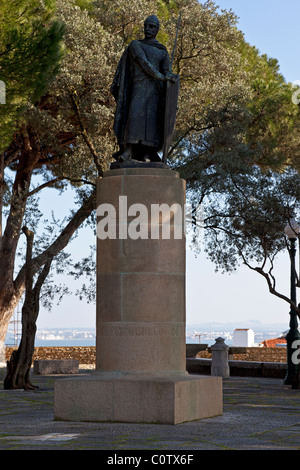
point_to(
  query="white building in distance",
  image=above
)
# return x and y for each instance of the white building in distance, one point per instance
(243, 337)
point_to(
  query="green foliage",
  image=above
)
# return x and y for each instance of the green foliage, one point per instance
(30, 52)
(274, 117)
(228, 92)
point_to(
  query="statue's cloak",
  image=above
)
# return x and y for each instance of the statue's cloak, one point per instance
(139, 105)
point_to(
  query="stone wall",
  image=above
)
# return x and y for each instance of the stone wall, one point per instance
(87, 354)
(251, 354)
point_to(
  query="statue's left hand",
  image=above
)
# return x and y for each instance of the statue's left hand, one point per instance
(172, 77)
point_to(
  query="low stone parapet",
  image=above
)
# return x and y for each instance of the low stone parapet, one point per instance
(240, 368)
(252, 354)
(275, 370)
(56, 366)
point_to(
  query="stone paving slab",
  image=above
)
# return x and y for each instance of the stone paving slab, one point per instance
(259, 414)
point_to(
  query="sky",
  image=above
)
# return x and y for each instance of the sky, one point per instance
(241, 299)
(273, 27)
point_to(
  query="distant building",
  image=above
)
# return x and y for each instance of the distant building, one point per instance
(273, 343)
(276, 342)
(243, 337)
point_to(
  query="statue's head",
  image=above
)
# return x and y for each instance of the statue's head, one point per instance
(151, 27)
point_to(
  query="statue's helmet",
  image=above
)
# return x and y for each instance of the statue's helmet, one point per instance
(152, 19)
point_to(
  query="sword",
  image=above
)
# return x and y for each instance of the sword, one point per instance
(169, 122)
(175, 43)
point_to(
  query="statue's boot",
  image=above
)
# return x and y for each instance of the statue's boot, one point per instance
(126, 155)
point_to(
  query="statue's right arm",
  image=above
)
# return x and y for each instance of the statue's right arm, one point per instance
(140, 57)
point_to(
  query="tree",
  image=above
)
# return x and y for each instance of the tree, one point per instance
(36, 151)
(244, 174)
(30, 51)
(248, 151)
(244, 221)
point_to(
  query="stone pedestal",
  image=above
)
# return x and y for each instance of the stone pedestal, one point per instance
(140, 331)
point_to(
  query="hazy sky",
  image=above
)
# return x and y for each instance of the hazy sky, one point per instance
(273, 27)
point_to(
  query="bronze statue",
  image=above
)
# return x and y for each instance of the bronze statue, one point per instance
(139, 88)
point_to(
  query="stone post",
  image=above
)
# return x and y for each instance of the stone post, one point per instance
(219, 365)
(140, 328)
(2, 353)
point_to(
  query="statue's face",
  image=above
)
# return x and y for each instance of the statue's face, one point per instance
(150, 30)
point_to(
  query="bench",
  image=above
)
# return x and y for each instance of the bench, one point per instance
(55, 366)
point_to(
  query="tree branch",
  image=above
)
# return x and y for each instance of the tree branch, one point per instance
(28, 263)
(45, 185)
(97, 159)
(61, 241)
(272, 288)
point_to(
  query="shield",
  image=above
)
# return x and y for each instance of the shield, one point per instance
(172, 92)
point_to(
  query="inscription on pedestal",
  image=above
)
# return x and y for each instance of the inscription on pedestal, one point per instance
(177, 331)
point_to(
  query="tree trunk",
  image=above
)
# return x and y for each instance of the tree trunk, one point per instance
(19, 365)
(4, 323)
(9, 294)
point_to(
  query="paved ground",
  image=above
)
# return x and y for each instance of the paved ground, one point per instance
(259, 414)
